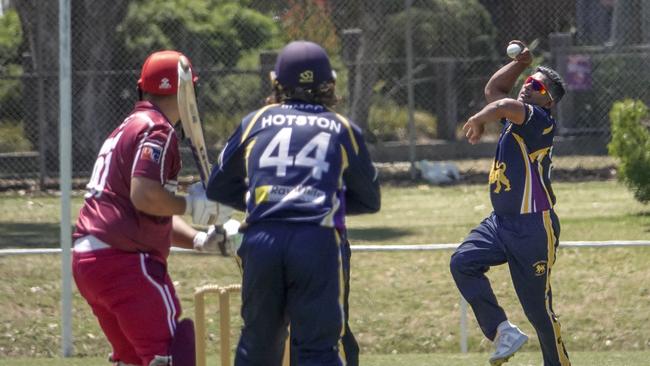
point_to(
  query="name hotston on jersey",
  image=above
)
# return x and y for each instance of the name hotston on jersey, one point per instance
(301, 120)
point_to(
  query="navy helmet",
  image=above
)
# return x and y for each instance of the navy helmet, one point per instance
(302, 64)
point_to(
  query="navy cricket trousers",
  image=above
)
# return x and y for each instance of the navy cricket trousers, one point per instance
(292, 273)
(528, 244)
(349, 343)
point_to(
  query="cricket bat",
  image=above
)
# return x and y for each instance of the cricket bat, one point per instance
(190, 119)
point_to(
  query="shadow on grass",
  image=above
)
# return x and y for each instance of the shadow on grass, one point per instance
(377, 234)
(647, 224)
(27, 235)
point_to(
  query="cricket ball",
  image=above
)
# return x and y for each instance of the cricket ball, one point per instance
(513, 50)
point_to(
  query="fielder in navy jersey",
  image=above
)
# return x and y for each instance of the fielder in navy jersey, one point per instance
(523, 229)
(296, 167)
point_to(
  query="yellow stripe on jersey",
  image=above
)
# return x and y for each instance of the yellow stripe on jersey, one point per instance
(345, 162)
(547, 130)
(539, 154)
(328, 220)
(551, 240)
(247, 153)
(540, 170)
(345, 121)
(262, 194)
(254, 120)
(526, 199)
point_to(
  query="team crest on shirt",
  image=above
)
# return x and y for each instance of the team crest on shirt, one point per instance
(498, 177)
(540, 268)
(151, 152)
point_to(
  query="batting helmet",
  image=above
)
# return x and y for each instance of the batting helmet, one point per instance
(160, 73)
(303, 64)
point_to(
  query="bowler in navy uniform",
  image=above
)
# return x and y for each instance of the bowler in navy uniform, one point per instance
(523, 229)
(295, 167)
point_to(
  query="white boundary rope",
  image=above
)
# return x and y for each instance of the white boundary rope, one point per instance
(385, 248)
(391, 248)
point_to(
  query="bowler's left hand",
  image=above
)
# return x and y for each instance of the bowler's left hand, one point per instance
(473, 129)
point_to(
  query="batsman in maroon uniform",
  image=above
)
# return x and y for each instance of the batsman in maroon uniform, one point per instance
(128, 224)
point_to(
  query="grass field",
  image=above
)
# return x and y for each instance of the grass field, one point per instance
(438, 359)
(404, 306)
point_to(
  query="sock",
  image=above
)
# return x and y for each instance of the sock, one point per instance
(505, 325)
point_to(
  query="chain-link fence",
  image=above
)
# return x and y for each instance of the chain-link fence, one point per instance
(599, 46)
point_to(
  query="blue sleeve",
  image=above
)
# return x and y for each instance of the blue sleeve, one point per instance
(227, 182)
(537, 123)
(362, 194)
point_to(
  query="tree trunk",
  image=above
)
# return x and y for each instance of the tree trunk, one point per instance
(39, 21)
(369, 17)
(96, 92)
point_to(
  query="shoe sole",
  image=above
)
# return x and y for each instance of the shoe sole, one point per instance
(501, 360)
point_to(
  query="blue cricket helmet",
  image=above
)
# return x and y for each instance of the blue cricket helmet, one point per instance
(303, 64)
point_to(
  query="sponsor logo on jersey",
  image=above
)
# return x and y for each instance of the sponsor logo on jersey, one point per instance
(306, 77)
(151, 152)
(277, 193)
(164, 84)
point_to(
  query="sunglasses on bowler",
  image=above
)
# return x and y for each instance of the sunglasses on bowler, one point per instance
(538, 86)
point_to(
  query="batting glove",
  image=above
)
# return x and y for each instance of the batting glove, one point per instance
(203, 211)
(210, 241)
(218, 238)
(232, 244)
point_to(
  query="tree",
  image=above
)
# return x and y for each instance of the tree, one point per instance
(530, 20)
(12, 136)
(310, 20)
(382, 50)
(369, 16)
(110, 40)
(10, 41)
(212, 33)
(631, 146)
(93, 25)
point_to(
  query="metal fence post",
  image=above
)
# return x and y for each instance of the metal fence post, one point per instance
(267, 64)
(350, 43)
(409, 89)
(446, 96)
(560, 44)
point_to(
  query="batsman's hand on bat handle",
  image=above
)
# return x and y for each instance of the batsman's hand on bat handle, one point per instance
(211, 241)
(526, 56)
(473, 129)
(225, 239)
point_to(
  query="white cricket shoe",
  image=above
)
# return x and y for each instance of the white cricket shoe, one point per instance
(508, 341)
